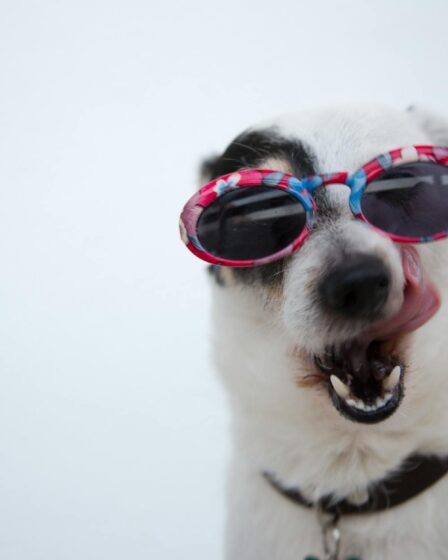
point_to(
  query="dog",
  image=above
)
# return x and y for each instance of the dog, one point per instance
(286, 343)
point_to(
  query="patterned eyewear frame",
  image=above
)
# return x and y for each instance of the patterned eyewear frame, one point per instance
(301, 190)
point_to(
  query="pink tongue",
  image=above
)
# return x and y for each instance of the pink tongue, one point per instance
(421, 300)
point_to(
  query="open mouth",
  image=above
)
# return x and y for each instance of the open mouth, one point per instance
(365, 383)
(366, 375)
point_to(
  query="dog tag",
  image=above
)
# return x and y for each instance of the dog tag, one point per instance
(331, 537)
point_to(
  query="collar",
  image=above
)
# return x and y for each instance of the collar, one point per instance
(415, 475)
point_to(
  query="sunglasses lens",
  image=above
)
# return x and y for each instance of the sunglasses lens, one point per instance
(250, 223)
(410, 200)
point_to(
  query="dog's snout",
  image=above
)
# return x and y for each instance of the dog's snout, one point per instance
(357, 288)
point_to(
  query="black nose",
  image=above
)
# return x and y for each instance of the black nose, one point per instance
(357, 288)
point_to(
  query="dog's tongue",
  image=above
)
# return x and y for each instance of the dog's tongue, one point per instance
(421, 300)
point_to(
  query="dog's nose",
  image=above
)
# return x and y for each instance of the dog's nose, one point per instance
(357, 288)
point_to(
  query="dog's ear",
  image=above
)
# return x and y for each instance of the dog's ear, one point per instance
(435, 125)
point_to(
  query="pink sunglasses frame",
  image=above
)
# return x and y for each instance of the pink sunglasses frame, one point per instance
(302, 190)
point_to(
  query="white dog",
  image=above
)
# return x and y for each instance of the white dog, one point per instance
(320, 419)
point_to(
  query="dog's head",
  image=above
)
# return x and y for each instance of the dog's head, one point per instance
(331, 327)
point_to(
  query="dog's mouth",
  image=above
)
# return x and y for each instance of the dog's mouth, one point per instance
(366, 375)
(365, 383)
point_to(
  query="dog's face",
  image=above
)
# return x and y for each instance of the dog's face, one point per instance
(330, 329)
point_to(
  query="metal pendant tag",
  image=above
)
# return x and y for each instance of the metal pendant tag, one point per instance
(331, 537)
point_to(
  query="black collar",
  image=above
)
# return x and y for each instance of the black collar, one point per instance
(416, 474)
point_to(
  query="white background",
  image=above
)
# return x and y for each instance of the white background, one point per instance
(113, 428)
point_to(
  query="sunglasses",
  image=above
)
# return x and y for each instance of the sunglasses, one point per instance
(256, 216)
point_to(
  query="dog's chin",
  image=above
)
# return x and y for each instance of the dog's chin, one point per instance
(364, 383)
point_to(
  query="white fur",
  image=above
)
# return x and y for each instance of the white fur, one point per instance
(295, 432)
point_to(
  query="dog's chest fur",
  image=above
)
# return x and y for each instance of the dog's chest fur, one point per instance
(263, 322)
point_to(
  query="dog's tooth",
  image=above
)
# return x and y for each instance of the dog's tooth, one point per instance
(379, 402)
(393, 379)
(341, 388)
(360, 405)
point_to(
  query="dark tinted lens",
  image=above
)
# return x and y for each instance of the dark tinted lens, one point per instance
(410, 200)
(250, 223)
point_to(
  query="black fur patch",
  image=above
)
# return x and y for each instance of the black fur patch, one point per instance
(252, 147)
(215, 271)
(249, 149)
